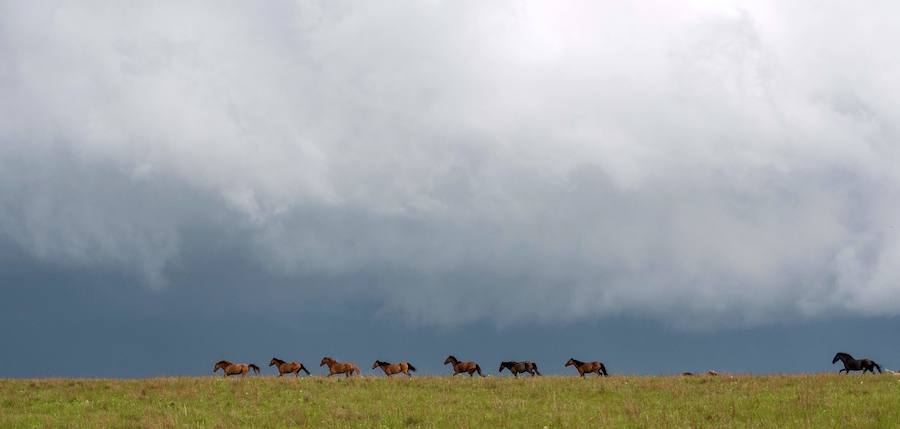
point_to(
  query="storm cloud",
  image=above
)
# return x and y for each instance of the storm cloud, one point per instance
(733, 163)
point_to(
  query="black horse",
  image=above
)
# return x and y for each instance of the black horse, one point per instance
(517, 367)
(851, 364)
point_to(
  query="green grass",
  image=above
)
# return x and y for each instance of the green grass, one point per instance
(813, 401)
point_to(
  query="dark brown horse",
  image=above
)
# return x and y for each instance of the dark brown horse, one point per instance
(335, 367)
(287, 368)
(394, 368)
(516, 367)
(851, 364)
(463, 367)
(588, 367)
(229, 368)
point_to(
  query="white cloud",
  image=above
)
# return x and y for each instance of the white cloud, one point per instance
(724, 162)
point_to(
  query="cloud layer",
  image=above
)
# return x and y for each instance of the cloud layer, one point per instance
(701, 164)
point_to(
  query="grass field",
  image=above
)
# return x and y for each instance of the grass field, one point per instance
(620, 401)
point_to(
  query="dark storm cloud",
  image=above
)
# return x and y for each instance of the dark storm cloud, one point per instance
(461, 162)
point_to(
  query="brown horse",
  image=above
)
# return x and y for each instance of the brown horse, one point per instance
(335, 367)
(588, 367)
(229, 368)
(516, 367)
(287, 368)
(394, 368)
(460, 367)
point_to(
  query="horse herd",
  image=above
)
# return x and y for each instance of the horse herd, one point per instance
(459, 367)
(349, 368)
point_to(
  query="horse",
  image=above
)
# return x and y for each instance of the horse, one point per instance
(516, 367)
(588, 367)
(287, 368)
(463, 367)
(335, 367)
(394, 368)
(851, 364)
(229, 368)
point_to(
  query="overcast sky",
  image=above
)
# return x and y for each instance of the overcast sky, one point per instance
(676, 185)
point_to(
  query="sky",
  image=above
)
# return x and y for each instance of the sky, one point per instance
(664, 186)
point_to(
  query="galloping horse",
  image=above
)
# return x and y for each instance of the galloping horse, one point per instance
(588, 367)
(516, 367)
(287, 368)
(460, 367)
(335, 367)
(229, 368)
(851, 364)
(394, 368)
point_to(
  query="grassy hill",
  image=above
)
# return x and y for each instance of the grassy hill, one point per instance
(619, 401)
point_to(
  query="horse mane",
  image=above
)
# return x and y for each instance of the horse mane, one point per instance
(278, 361)
(508, 363)
(380, 363)
(224, 362)
(576, 362)
(452, 359)
(841, 355)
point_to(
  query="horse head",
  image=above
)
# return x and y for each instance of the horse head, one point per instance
(451, 359)
(379, 363)
(221, 364)
(326, 361)
(841, 356)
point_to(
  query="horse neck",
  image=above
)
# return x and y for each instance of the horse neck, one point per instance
(577, 362)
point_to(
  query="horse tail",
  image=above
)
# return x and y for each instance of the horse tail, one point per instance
(877, 366)
(535, 369)
(303, 368)
(478, 369)
(603, 369)
(411, 368)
